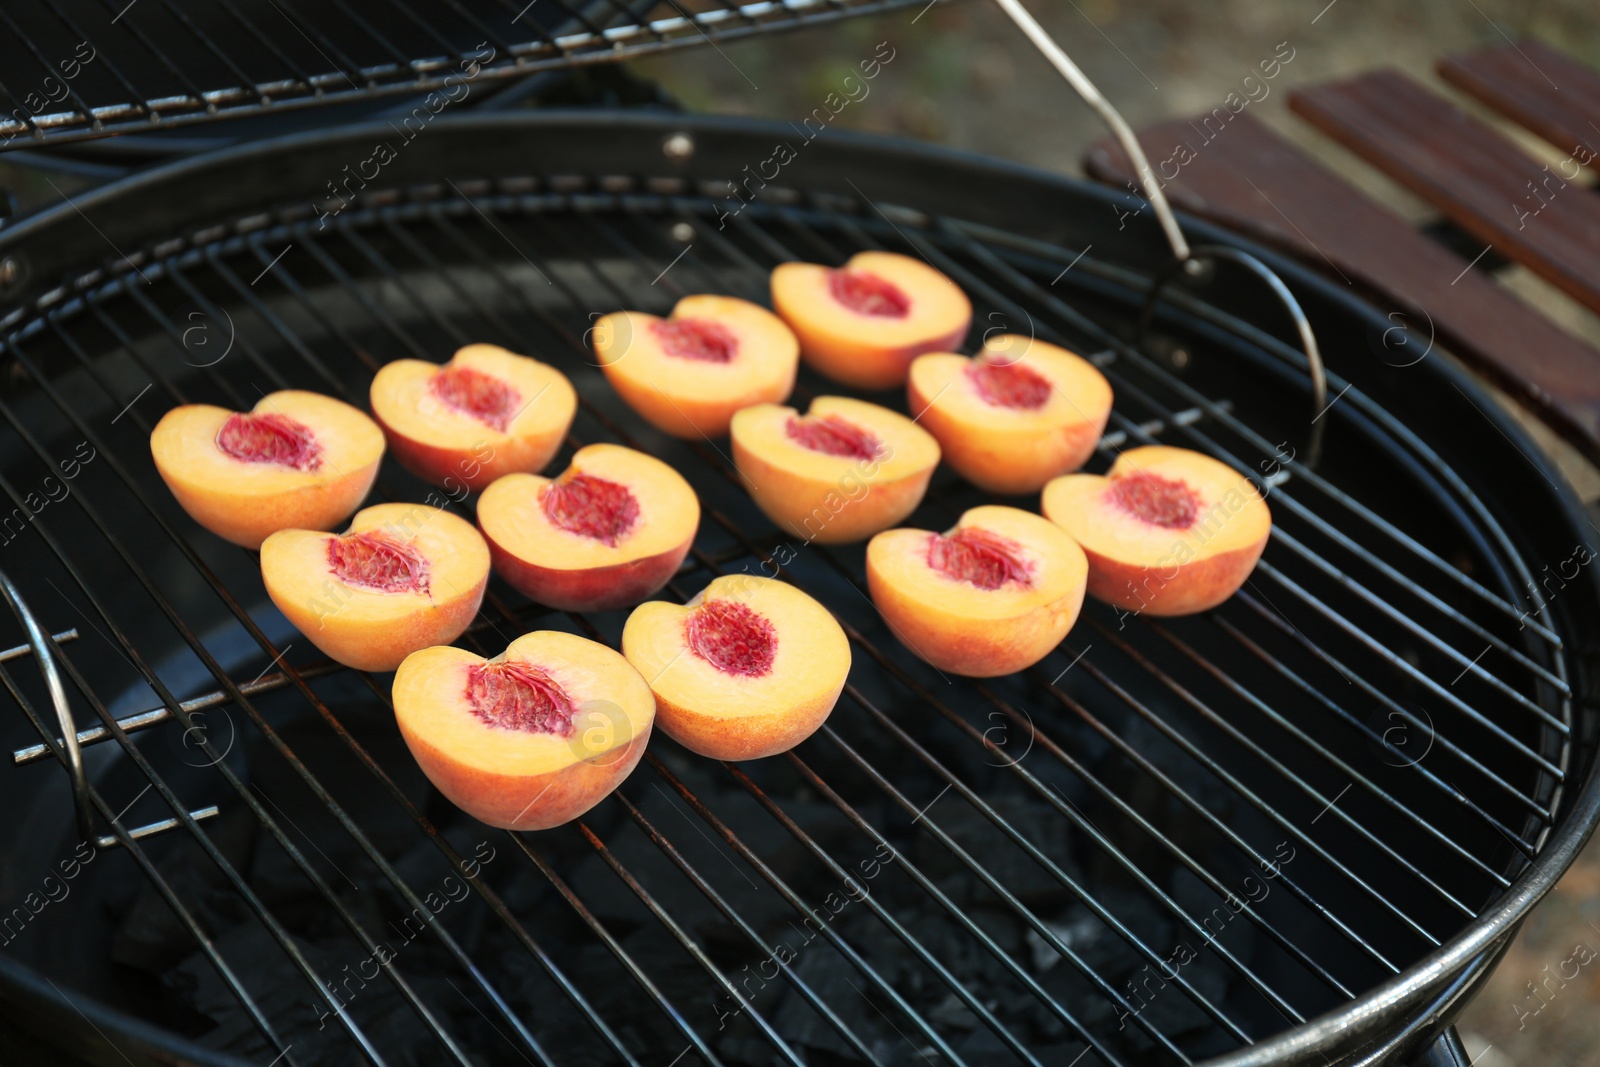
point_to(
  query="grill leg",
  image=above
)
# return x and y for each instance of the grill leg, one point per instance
(1446, 1051)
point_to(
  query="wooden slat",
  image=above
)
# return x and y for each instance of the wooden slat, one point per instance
(1248, 179)
(1466, 169)
(1538, 88)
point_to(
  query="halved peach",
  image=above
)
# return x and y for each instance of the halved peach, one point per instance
(864, 323)
(844, 471)
(485, 413)
(607, 533)
(1015, 415)
(296, 460)
(1167, 531)
(992, 595)
(688, 373)
(403, 577)
(530, 739)
(749, 668)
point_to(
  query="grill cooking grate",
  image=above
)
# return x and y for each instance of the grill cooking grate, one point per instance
(81, 69)
(1047, 859)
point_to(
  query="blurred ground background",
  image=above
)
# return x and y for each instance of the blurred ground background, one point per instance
(964, 77)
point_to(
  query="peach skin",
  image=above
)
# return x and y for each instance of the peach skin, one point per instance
(530, 739)
(840, 473)
(749, 668)
(297, 460)
(606, 533)
(864, 323)
(486, 413)
(688, 373)
(403, 577)
(1014, 416)
(1167, 531)
(993, 595)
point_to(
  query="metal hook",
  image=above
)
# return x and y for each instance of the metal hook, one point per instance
(1308, 339)
(39, 641)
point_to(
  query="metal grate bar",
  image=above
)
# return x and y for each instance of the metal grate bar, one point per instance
(1284, 772)
(1355, 775)
(796, 982)
(1310, 477)
(163, 887)
(973, 283)
(243, 791)
(693, 948)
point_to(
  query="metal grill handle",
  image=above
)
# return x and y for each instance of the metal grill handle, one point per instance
(1185, 258)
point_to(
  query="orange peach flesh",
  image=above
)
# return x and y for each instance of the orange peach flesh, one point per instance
(1016, 415)
(842, 472)
(749, 668)
(993, 595)
(1167, 531)
(403, 577)
(864, 323)
(688, 373)
(607, 533)
(486, 413)
(297, 460)
(530, 739)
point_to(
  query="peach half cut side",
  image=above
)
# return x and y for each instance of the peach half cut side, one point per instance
(688, 373)
(296, 461)
(530, 739)
(864, 323)
(402, 578)
(839, 473)
(992, 595)
(1014, 416)
(1167, 531)
(748, 668)
(607, 533)
(485, 413)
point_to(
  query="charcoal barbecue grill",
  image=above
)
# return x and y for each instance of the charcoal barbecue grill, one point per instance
(1299, 828)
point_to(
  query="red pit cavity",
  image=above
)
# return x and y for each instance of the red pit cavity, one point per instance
(1009, 385)
(985, 559)
(831, 435)
(732, 638)
(270, 438)
(1156, 500)
(591, 507)
(518, 696)
(483, 396)
(379, 562)
(868, 294)
(699, 339)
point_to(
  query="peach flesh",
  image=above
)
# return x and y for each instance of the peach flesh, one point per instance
(984, 559)
(591, 507)
(732, 638)
(377, 561)
(833, 436)
(269, 437)
(698, 339)
(867, 294)
(518, 696)
(1158, 501)
(1009, 385)
(486, 398)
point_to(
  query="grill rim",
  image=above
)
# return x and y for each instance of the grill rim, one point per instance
(1370, 1014)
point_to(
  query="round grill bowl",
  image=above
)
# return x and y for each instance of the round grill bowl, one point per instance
(1300, 827)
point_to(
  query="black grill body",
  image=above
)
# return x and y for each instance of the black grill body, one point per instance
(1271, 833)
